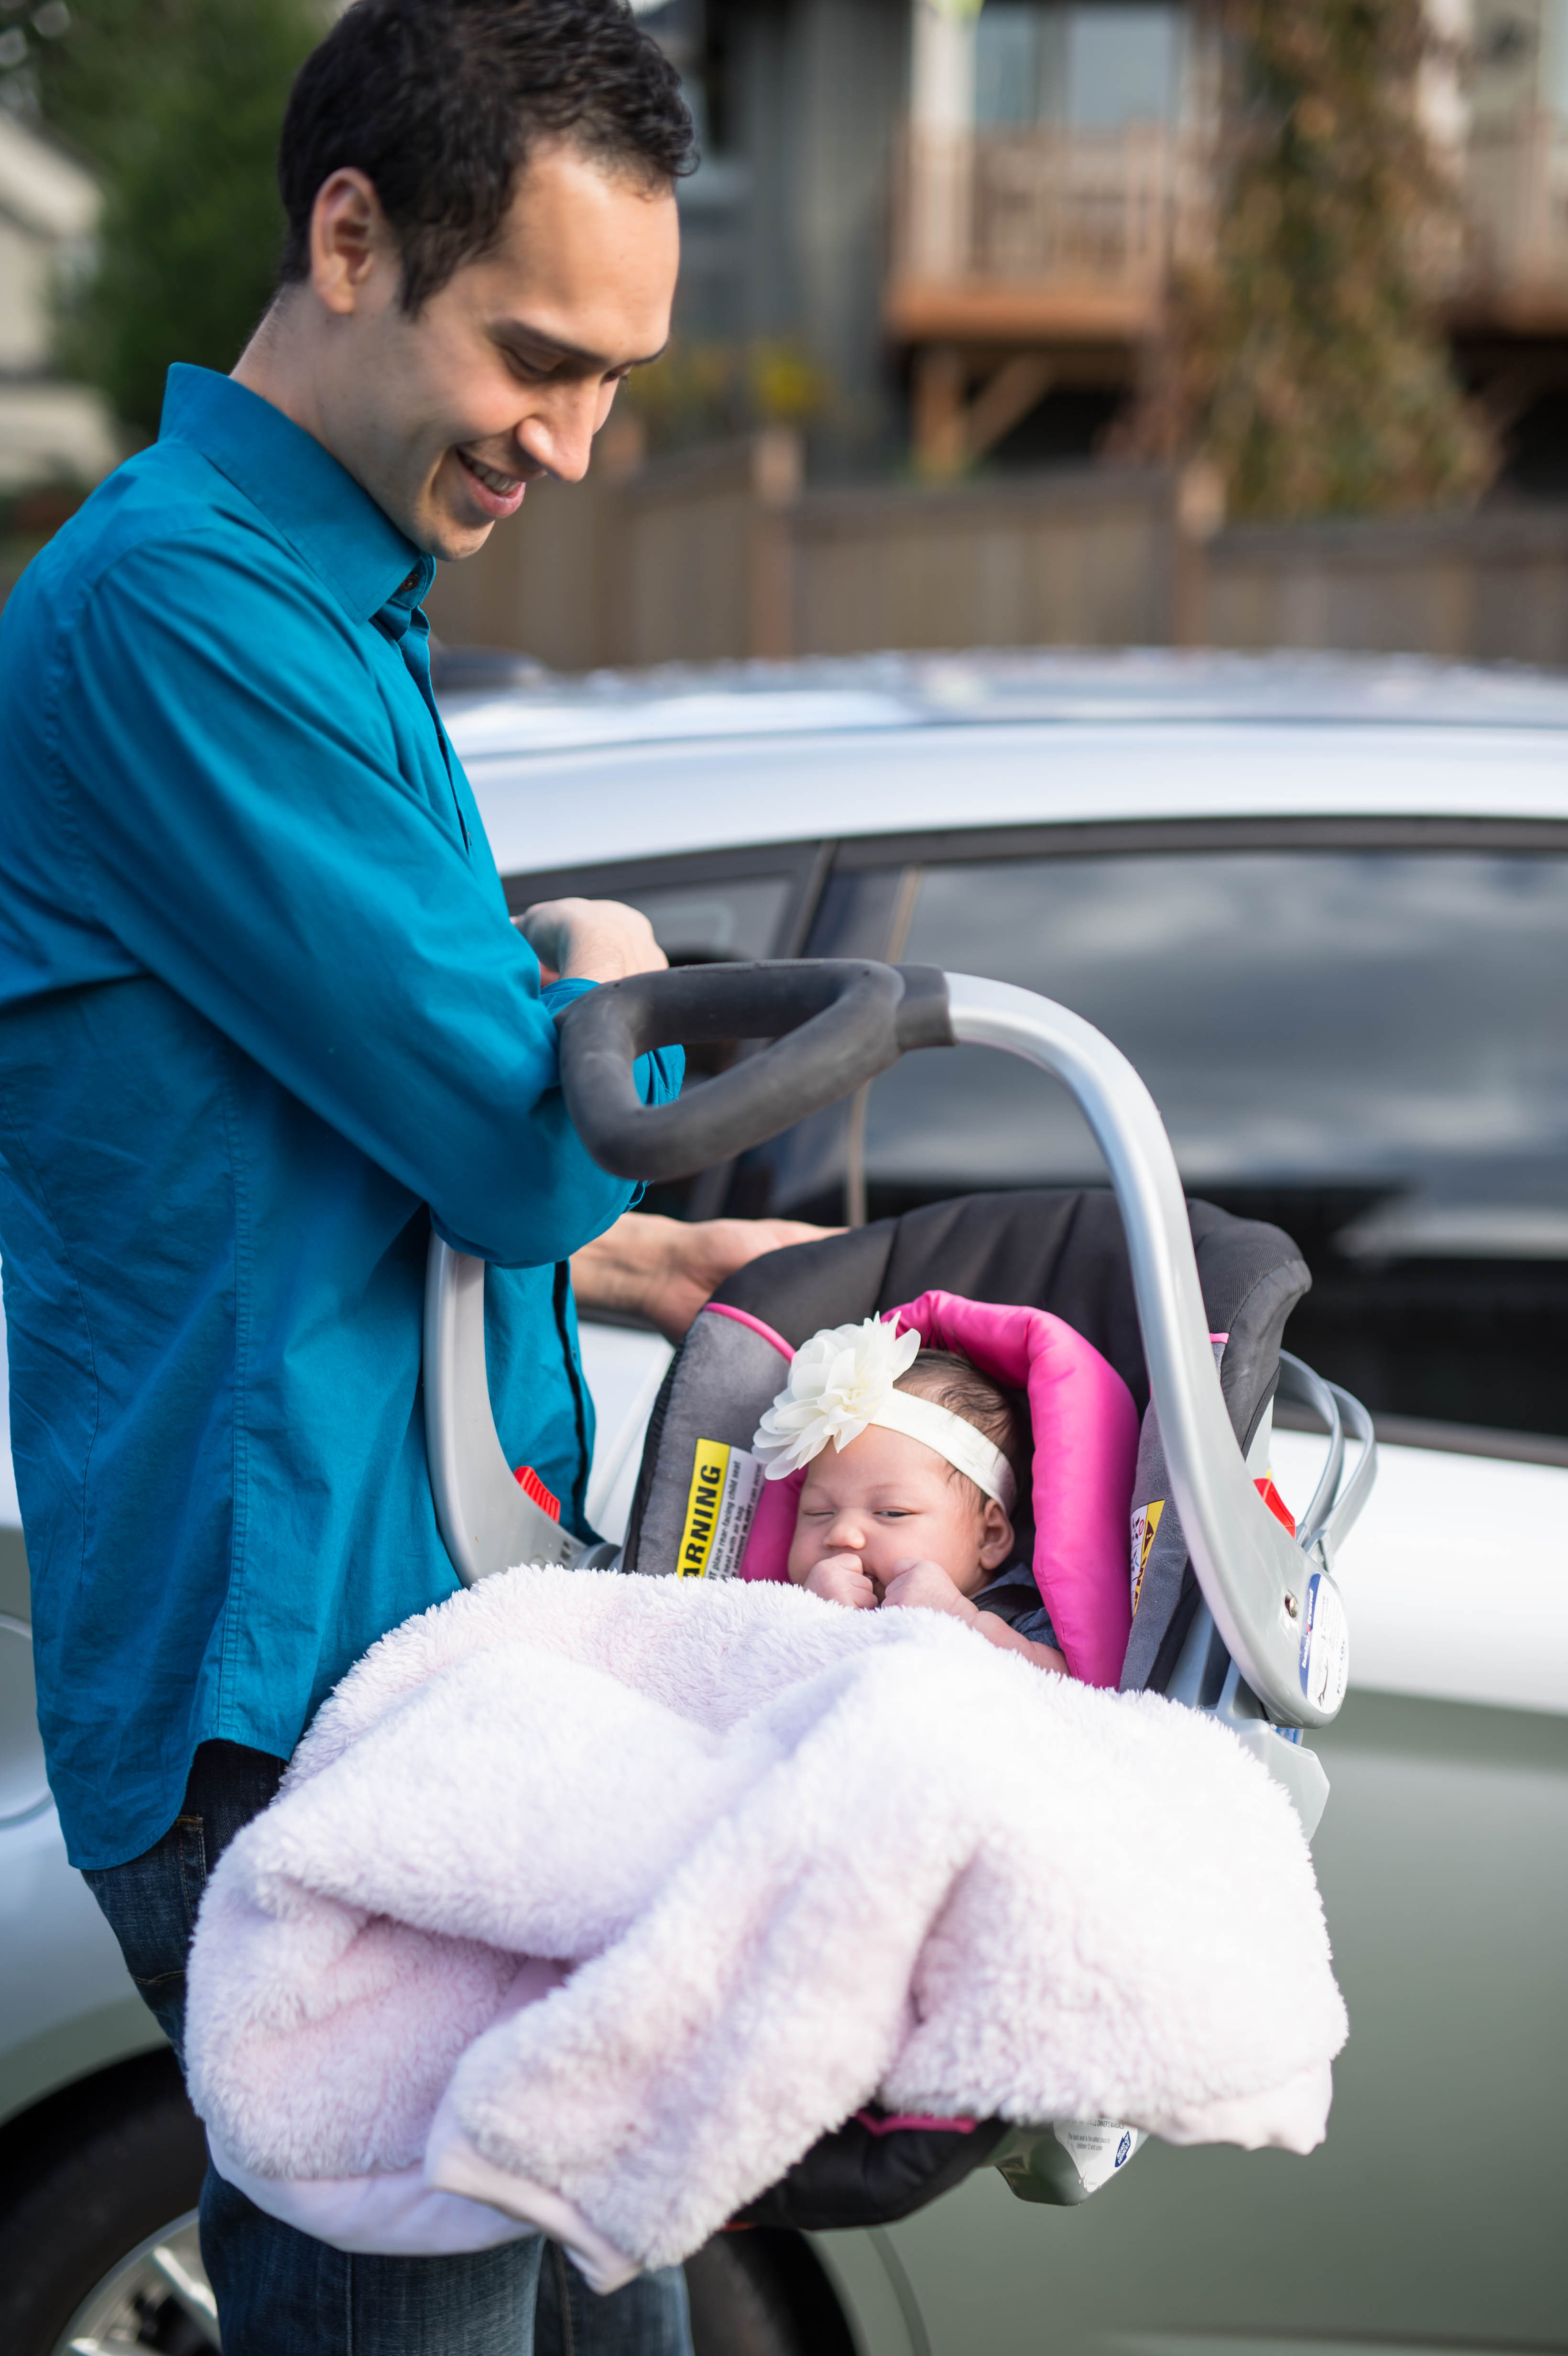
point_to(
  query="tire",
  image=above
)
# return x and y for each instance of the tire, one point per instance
(98, 2244)
(761, 2292)
(99, 2188)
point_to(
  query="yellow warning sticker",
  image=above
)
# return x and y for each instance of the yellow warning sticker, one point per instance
(725, 1486)
(1146, 1521)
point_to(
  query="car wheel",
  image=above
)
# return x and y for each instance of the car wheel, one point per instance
(98, 2231)
(761, 2292)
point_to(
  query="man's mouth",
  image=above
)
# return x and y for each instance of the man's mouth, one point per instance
(500, 493)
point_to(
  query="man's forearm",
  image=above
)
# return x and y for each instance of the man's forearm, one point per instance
(662, 1271)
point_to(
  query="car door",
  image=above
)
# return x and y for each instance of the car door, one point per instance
(1355, 1029)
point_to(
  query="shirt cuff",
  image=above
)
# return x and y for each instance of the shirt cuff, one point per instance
(557, 994)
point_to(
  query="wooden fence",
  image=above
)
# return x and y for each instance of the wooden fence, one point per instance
(1489, 587)
(723, 555)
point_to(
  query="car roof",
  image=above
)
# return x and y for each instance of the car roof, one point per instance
(620, 765)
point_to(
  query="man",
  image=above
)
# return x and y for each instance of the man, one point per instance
(260, 1005)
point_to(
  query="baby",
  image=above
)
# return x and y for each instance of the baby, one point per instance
(913, 1503)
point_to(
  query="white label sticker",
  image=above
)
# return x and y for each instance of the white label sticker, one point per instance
(1325, 1663)
(1097, 2147)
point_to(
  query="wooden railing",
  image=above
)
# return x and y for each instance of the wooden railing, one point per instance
(1095, 215)
(1017, 231)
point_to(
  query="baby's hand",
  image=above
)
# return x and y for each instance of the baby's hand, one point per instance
(926, 1585)
(840, 1578)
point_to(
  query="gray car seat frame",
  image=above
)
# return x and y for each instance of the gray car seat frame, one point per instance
(1252, 1575)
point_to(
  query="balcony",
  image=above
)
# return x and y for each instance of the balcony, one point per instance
(1057, 238)
(1011, 235)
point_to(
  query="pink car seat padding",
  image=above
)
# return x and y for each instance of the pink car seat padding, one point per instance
(1086, 1448)
(1085, 1451)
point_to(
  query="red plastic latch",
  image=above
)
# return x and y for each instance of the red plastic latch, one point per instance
(1270, 1497)
(528, 1481)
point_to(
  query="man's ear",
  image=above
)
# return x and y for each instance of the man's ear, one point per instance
(996, 1537)
(349, 239)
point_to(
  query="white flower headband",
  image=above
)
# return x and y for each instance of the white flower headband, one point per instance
(841, 1380)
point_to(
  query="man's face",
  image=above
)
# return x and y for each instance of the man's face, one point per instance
(508, 371)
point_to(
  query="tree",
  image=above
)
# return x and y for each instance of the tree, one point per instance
(176, 104)
(1303, 361)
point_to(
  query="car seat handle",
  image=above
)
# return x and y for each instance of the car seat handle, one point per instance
(834, 1023)
(1259, 1586)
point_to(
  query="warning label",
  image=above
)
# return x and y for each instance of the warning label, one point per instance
(725, 1486)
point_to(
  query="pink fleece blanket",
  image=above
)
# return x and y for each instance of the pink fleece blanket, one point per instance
(590, 1902)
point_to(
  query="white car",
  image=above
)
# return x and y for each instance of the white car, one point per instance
(1323, 907)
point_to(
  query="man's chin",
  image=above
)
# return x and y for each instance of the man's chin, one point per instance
(450, 529)
(450, 541)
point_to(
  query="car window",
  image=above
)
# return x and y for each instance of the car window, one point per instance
(701, 924)
(1370, 1047)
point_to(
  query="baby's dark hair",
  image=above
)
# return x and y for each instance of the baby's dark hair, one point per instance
(954, 1382)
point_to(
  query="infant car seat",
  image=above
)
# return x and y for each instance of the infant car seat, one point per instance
(1234, 1612)
(1061, 1250)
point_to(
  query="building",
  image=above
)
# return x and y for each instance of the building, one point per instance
(967, 215)
(49, 432)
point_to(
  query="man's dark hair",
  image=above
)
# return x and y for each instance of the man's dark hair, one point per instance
(440, 101)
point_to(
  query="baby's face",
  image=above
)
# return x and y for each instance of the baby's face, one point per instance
(889, 1499)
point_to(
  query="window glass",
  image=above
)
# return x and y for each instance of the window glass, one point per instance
(1093, 68)
(1011, 43)
(1387, 1023)
(1369, 1048)
(1121, 66)
(701, 924)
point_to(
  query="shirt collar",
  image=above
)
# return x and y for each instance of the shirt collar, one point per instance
(330, 520)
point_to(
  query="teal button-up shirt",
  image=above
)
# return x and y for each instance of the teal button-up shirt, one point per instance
(260, 1005)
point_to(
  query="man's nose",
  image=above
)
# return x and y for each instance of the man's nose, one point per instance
(560, 436)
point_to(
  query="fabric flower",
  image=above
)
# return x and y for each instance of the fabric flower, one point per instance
(837, 1380)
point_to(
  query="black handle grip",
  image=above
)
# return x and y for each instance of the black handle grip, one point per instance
(834, 1022)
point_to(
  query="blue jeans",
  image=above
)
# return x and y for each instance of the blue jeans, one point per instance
(277, 2288)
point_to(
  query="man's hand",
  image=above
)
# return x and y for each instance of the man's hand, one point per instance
(591, 940)
(840, 1578)
(664, 1269)
(926, 1586)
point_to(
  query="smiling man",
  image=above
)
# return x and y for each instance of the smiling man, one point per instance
(264, 1019)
